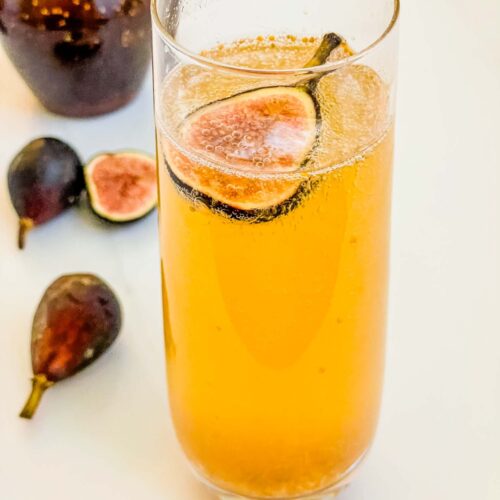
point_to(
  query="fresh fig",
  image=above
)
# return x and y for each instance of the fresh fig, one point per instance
(77, 319)
(247, 199)
(270, 129)
(122, 186)
(45, 178)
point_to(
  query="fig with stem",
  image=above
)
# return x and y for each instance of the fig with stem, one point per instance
(45, 178)
(76, 321)
(290, 112)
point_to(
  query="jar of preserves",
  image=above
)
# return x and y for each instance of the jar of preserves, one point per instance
(79, 57)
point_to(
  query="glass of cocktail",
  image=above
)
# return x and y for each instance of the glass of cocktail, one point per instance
(275, 142)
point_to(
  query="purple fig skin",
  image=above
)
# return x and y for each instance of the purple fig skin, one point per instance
(77, 320)
(45, 178)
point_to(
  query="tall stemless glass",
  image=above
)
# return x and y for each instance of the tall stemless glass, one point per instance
(275, 142)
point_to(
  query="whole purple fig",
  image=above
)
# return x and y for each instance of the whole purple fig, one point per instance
(45, 178)
(77, 319)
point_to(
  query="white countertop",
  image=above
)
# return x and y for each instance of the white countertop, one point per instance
(105, 434)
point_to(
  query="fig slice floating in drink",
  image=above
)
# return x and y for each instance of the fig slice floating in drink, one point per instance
(267, 130)
(77, 319)
(45, 178)
(122, 186)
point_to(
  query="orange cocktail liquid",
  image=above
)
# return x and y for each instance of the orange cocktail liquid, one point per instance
(275, 331)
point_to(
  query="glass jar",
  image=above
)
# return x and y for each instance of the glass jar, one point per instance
(79, 57)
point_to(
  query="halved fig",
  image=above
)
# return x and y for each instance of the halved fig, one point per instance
(121, 186)
(270, 129)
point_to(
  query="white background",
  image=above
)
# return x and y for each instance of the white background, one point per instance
(105, 434)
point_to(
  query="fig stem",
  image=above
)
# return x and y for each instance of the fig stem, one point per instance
(40, 385)
(25, 224)
(329, 42)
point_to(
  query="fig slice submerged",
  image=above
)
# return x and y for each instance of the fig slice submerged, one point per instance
(246, 199)
(76, 321)
(122, 186)
(264, 130)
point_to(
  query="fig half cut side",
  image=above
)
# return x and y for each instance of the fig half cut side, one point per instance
(121, 186)
(269, 129)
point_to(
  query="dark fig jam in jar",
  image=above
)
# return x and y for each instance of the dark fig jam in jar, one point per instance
(79, 57)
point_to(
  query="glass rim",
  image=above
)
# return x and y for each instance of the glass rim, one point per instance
(325, 67)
